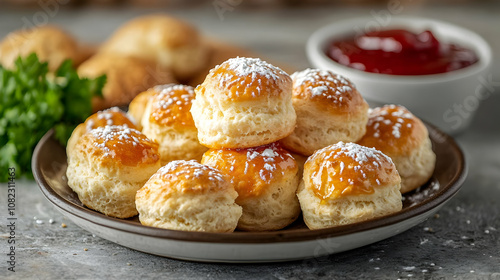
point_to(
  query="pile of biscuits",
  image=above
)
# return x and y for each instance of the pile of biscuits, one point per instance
(250, 148)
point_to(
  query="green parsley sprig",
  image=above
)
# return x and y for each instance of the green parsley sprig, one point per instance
(32, 101)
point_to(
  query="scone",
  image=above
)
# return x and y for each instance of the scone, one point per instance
(329, 109)
(51, 44)
(126, 77)
(347, 183)
(266, 180)
(107, 167)
(399, 134)
(172, 43)
(112, 116)
(244, 102)
(186, 195)
(167, 121)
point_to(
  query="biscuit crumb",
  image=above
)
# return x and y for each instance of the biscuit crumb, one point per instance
(63, 225)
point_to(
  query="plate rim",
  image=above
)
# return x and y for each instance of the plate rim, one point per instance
(442, 196)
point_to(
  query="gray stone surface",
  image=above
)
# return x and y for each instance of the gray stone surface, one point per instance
(463, 242)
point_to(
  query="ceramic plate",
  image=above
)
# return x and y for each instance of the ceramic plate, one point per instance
(292, 243)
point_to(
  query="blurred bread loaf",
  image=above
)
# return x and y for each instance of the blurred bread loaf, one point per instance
(170, 42)
(126, 77)
(50, 43)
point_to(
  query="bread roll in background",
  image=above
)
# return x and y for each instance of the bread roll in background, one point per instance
(347, 183)
(112, 116)
(329, 109)
(50, 43)
(126, 77)
(399, 134)
(167, 121)
(186, 195)
(108, 165)
(170, 42)
(244, 102)
(219, 52)
(86, 51)
(266, 179)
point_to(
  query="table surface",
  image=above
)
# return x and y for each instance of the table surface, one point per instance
(462, 242)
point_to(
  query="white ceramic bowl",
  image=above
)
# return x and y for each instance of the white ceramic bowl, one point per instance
(447, 100)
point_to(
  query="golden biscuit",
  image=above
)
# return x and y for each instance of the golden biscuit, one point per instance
(403, 137)
(329, 109)
(185, 195)
(244, 102)
(347, 183)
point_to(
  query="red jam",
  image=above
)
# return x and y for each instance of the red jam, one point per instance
(400, 52)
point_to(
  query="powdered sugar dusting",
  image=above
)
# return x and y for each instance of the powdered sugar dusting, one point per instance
(108, 116)
(167, 96)
(422, 193)
(364, 161)
(172, 104)
(323, 83)
(260, 74)
(252, 168)
(160, 88)
(271, 159)
(244, 66)
(391, 118)
(107, 137)
(190, 170)
(358, 153)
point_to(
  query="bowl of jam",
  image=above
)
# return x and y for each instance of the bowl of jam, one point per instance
(436, 69)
